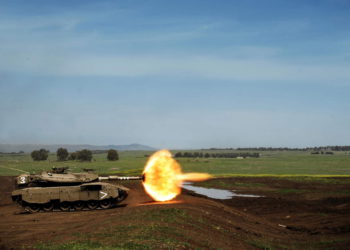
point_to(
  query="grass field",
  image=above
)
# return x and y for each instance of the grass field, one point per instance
(132, 162)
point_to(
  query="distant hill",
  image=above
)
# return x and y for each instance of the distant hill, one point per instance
(27, 148)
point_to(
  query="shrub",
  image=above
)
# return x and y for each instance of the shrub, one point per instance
(178, 154)
(112, 155)
(84, 155)
(72, 156)
(40, 155)
(62, 154)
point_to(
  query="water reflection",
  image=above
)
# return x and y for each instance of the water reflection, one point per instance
(215, 193)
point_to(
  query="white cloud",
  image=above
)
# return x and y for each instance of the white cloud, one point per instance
(30, 45)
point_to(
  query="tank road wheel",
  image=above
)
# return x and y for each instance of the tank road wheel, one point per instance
(122, 195)
(47, 207)
(105, 203)
(65, 206)
(79, 205)
(32, 207)
(92, 204)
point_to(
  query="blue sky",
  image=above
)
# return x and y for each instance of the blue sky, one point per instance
(175, 74)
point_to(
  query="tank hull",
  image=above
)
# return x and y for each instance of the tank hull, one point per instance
(68, 198)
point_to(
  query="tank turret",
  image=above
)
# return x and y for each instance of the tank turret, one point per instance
(62, 176)
(55, 177)
(64, 190)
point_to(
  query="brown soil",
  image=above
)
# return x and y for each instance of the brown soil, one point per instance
(317, 217)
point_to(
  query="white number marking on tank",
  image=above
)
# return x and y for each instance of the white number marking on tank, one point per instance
(102, 195)
(22, 180)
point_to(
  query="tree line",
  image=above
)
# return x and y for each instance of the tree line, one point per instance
(321, 148)
(214, 155)
(333, 148)
(63, 155)
(322, 152)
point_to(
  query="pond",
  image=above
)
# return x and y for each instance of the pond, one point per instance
(215, 193)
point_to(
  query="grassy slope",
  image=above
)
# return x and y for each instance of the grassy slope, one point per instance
(276, 164)
(164, 232)
(271, 163)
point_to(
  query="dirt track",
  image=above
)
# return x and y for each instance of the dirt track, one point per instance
(314, 220)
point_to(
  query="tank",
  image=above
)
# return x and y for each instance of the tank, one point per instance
(61, 189)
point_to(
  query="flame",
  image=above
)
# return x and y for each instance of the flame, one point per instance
(195, 177)
(163, 176)
(160, 203)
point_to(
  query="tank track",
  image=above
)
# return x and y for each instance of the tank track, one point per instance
(70, 206)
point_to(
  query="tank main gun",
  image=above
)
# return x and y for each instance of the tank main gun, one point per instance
(121, 178)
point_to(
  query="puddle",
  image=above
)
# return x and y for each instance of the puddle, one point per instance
(215, 193)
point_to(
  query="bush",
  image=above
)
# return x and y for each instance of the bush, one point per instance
(40, 155)
(178, 154)
(62, 154)
(112, 155)
(84, 155)
(72, 156)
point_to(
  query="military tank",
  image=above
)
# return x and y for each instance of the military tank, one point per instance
(61, 189)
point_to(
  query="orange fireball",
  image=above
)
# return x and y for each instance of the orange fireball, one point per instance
(163, 176)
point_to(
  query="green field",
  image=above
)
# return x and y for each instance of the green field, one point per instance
(132, 162)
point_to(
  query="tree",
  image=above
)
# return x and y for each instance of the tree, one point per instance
(72, 156)
(178, 154)
(62, 154)
(40, 155)
(187, 154)
(84, 155)
(112, 155)
(35, 155)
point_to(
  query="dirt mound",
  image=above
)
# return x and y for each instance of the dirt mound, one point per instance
(6, 187)
(188, 222)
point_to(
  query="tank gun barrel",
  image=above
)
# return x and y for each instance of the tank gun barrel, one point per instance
(121, 178)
